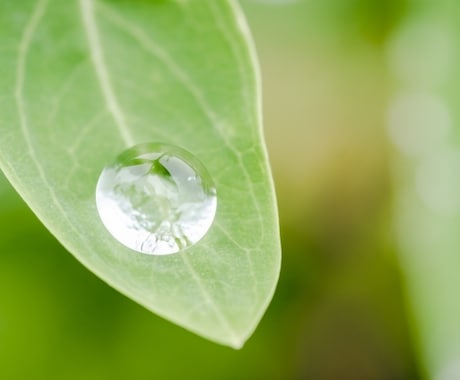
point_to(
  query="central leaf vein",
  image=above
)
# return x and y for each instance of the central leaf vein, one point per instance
(102, 73)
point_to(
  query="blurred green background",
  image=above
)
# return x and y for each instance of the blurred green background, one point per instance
(359, 106)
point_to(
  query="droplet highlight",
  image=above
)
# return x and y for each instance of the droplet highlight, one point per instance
(156, 199)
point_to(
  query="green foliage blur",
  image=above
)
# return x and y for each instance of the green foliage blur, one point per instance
(340, 311)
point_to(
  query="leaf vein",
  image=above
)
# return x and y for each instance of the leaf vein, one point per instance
(102, 73)
(36, 17)
(176, 71)
(220, 316)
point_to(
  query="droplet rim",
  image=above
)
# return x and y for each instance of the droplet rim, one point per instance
(188, 159)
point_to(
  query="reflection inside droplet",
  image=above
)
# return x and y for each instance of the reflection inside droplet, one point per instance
(156, 199)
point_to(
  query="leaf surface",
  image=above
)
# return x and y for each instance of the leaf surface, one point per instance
(82, 81)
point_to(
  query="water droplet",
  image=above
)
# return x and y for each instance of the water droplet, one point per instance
(156, 199)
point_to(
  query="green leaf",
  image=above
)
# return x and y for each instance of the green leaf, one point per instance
(82, 81)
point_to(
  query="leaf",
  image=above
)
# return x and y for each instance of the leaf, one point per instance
(82, 81)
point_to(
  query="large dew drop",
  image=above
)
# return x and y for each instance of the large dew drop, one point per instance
(156, 199)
